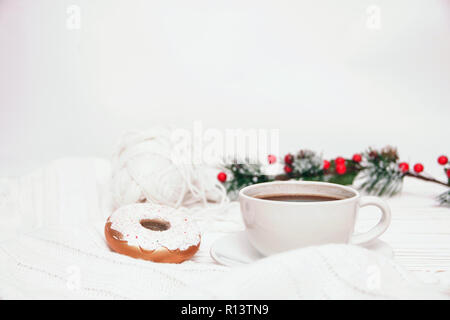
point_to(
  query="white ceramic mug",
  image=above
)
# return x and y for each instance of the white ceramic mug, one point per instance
(276, 226)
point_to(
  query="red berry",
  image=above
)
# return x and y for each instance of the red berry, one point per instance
(373, 154)
(448, 173)
(341, 169)
(326, 164)
(357, 157)
(443, 160)
(339, 160)
(404, 167)
(271, 158)
(287, 169)
(418, 167)
(222, 177)
(288, 159)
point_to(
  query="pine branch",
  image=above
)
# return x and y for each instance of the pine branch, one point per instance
(376, 172)
(429, 179)
(444, 199)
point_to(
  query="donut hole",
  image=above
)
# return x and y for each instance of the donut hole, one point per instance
(155, 224)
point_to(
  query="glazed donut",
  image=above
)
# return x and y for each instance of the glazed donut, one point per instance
(152, 232)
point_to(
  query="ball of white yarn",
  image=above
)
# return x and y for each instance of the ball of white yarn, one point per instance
(144, 171)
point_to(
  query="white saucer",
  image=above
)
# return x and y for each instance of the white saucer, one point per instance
(234, 250)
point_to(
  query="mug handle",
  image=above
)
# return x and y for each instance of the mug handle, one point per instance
(380, 228)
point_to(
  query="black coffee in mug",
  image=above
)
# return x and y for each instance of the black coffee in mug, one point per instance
(297, 198)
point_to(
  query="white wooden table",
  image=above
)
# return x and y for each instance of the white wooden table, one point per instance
(420, 230)
(419, 233)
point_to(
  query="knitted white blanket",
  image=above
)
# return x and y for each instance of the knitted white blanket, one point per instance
(53, 247)
(59, 264)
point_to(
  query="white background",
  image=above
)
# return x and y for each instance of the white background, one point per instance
(312, 69)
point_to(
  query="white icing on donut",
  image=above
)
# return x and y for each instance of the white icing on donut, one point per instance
(182, 233)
